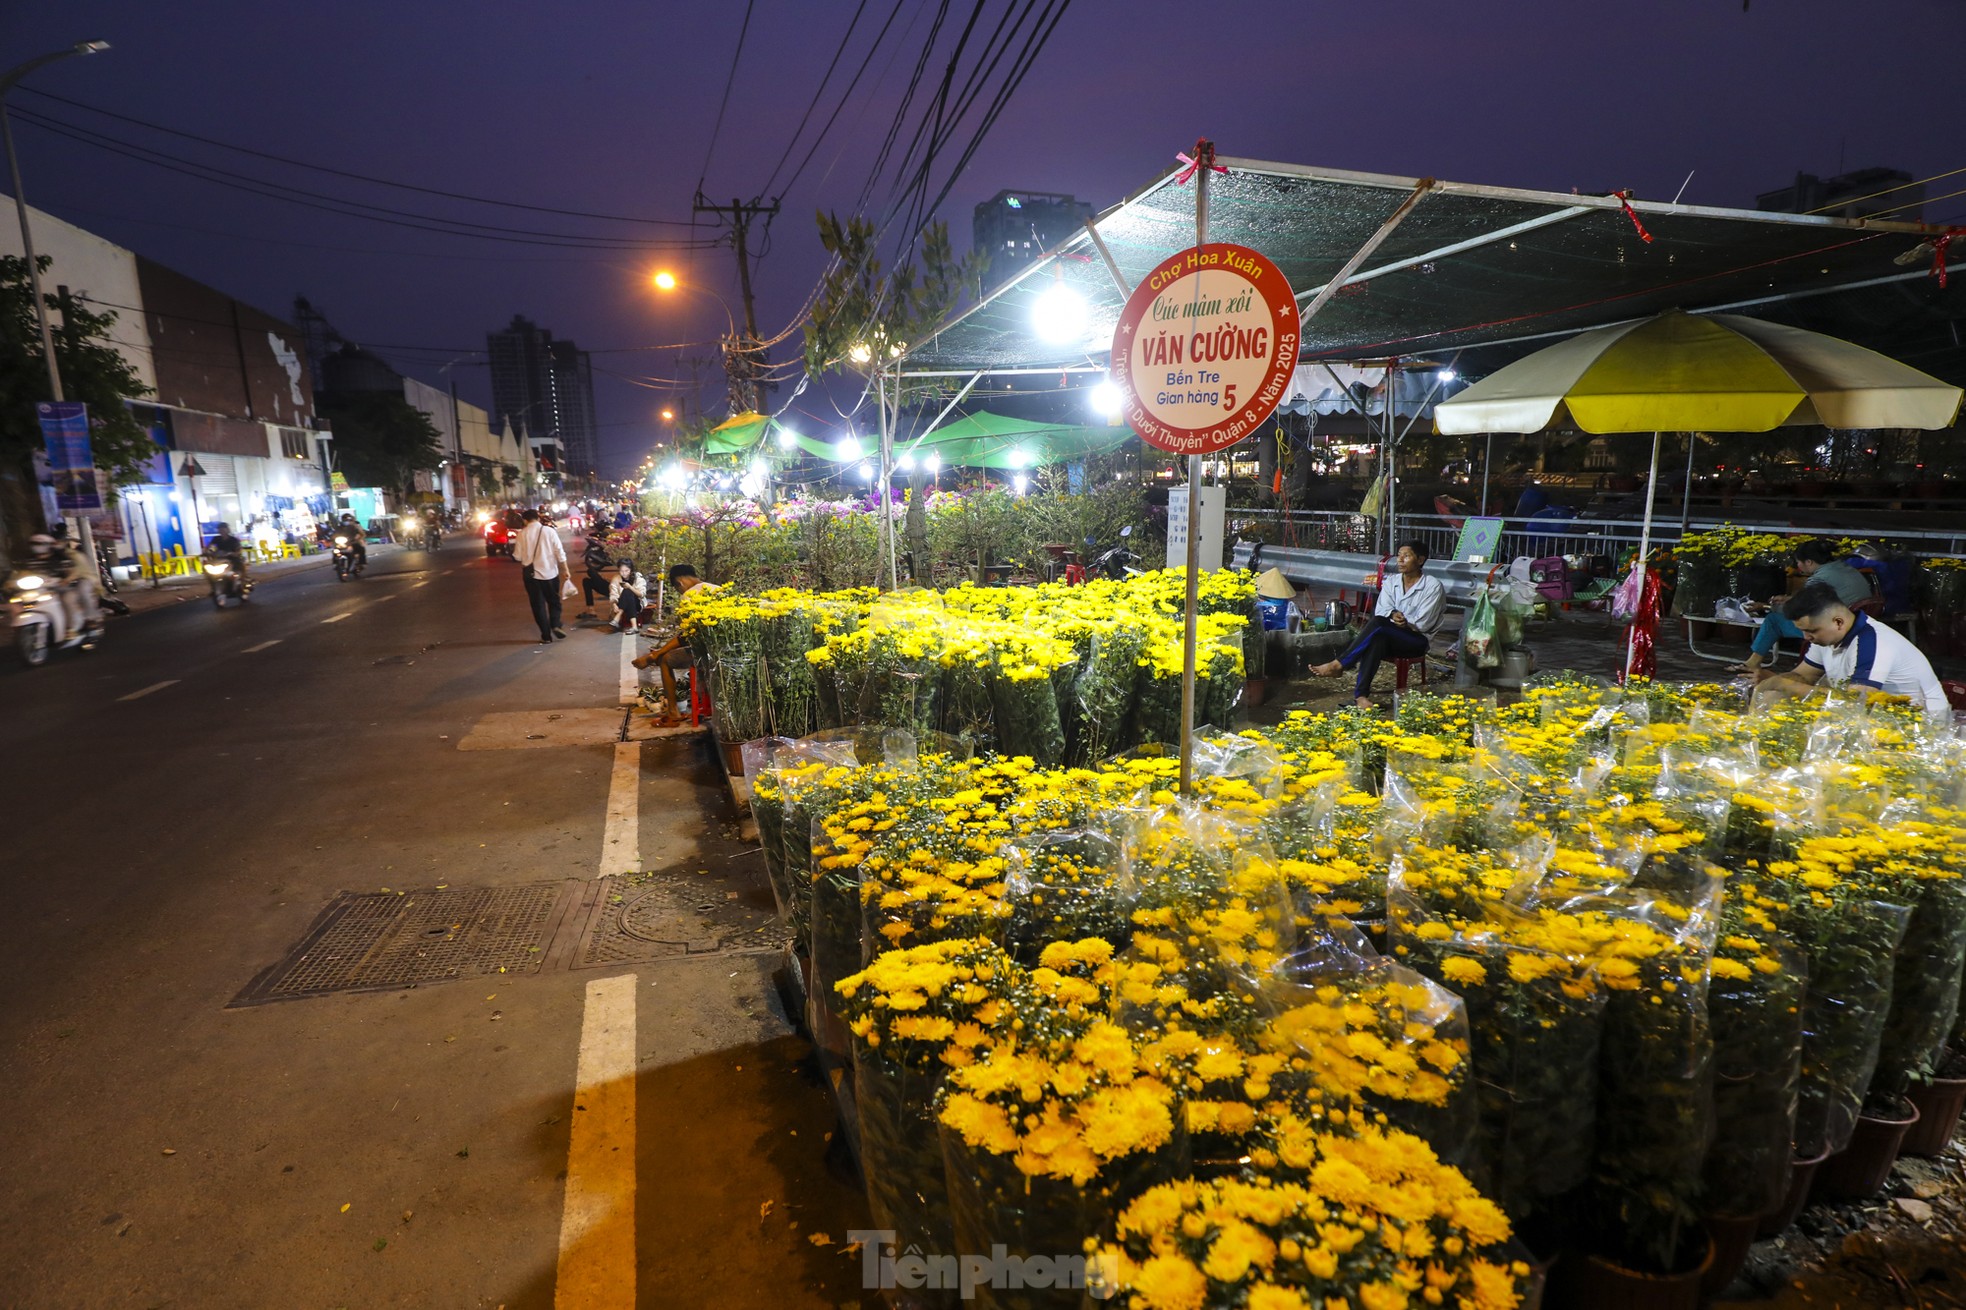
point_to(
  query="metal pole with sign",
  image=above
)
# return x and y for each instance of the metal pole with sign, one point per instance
(1202, 354)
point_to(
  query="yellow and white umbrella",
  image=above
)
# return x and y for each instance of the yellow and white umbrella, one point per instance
(1680, 372)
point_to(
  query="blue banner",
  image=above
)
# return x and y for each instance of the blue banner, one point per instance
(71, 464)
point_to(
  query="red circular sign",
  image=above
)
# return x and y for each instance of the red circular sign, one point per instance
(1204, 348)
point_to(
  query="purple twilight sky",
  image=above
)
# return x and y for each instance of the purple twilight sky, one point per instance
(607, 107)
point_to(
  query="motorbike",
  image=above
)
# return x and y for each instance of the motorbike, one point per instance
(223, 575)
(40, 618)
(347, 560)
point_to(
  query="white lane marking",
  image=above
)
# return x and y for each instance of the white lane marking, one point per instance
(596, 1269)
(621, 844)
(424, 583)
(389, 597)
(254, 650)
(339, 617)
(155, 686)
(631, 677)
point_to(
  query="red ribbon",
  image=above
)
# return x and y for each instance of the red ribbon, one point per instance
(1204, 157)
(1939, 257)
(1625, 199)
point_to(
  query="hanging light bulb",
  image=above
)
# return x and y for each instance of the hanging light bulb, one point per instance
(1107, 397)
(847, 448)
(1059, 315)
(787, 439)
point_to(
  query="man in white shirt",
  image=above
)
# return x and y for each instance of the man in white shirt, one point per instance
(1847, 648)
(1408, 613)
(543, 558)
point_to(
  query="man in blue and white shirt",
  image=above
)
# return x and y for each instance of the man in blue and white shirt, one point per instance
(1847, 648)
(1405, 618)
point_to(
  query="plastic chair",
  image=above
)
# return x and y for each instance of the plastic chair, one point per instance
(1401, 666)
(699, 697)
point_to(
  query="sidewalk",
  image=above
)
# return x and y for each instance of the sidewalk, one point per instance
(141, 597)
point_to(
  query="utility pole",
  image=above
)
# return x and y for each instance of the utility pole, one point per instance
(743, 358)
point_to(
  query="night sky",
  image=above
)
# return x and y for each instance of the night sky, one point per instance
(608, 108)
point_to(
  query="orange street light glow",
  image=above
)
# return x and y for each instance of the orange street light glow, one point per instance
(665, 281)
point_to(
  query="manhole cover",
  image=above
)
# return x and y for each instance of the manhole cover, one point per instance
(366, 941)
(645, 916)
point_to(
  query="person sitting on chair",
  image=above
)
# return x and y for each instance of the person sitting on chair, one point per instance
(673, 654)
(1848, 649)
(1404, 620)
(1814, 561)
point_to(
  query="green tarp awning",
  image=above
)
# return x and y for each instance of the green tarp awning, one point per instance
(980, 440)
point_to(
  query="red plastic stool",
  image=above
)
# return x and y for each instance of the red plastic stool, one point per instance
(1400, 666)
(699, 697)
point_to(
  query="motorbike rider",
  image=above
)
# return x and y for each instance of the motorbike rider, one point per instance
(226, 546)
(358, 540)
(60, 558)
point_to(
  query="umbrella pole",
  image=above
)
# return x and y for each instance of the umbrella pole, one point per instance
(1487, 456)
(1644, 549)
(1686, 498)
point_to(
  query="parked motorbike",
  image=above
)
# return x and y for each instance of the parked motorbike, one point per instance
(227, 583)
(40, 619)
(1119, 562)
(347, 560)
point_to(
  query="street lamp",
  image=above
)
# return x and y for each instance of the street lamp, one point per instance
(665, 281)
(20, 201)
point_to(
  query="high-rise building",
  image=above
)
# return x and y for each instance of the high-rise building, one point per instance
(1016, 227)
(1860, 193)
(546, 387)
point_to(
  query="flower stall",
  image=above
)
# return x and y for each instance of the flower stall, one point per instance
(1391, 1012)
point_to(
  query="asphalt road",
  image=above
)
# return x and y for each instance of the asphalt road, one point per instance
(182, 803)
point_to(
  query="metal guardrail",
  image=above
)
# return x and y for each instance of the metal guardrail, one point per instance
(1339, 530)
(1354, 570)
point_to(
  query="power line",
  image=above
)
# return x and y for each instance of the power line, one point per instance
(335, 204)
(730, 81)
(357, 177)
(806, 117)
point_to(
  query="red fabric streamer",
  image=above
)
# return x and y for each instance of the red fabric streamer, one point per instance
(1642, 649)
(1939, 257)
(1625, 199)
(1204, 157)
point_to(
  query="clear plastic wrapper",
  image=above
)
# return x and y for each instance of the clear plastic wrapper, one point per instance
(1535, 1021)
(1655, 1068)
(967, 711)
(1064, 885)
(741, 693)
(808, 774)
(901, 1164)
(1925, 986)
(768, 810)
(994, 1206)
(1107, 686)
(1366, 1031)
(1850, 949)
(1027, 715)
(1754, 1005)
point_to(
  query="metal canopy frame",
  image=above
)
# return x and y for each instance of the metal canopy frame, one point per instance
(1497, 261)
